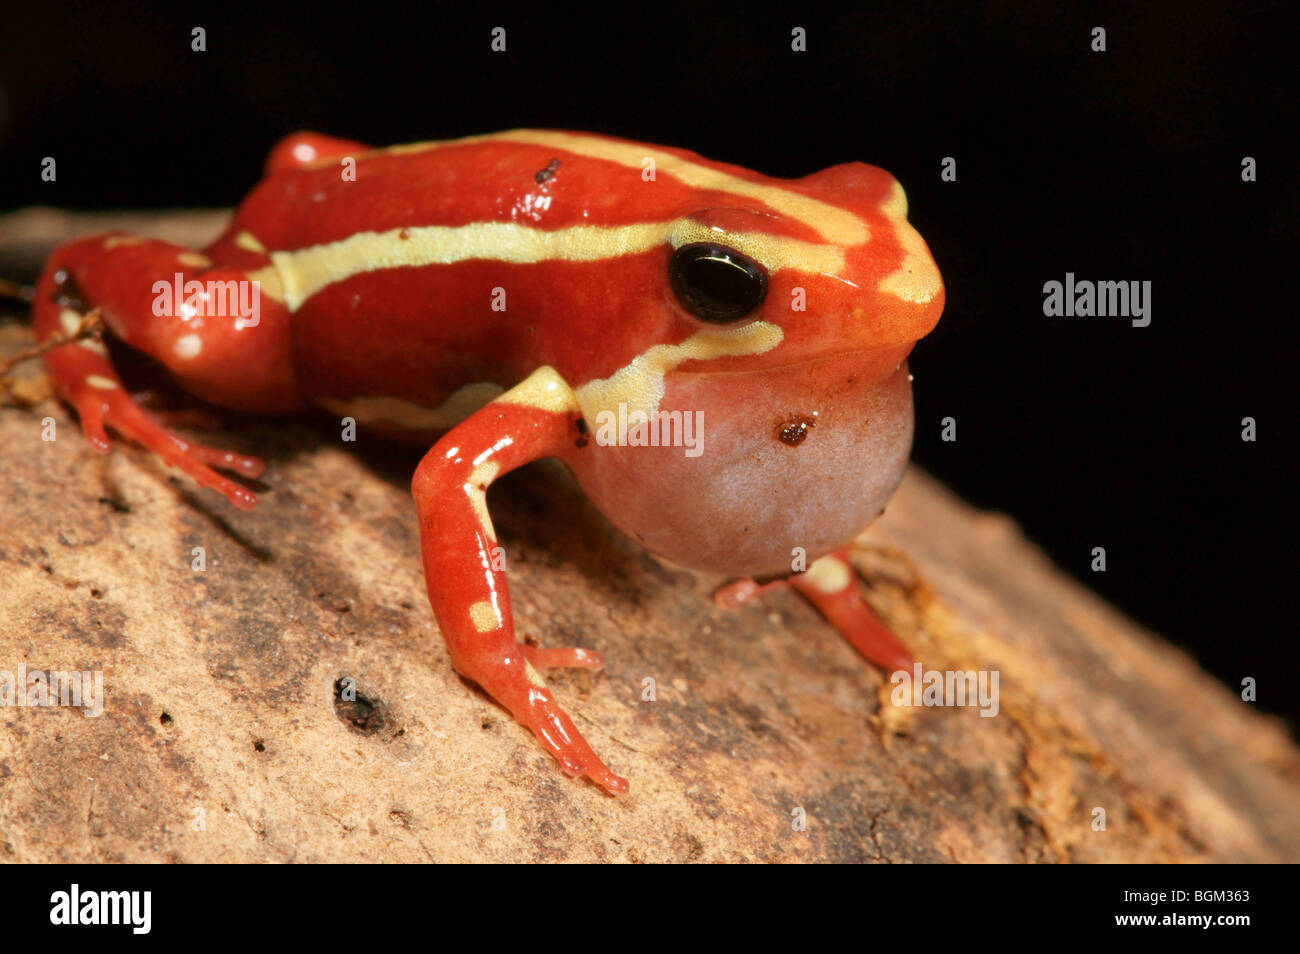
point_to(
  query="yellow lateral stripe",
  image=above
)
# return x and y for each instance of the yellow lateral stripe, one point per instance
(832, 222)
(639, 385)
(306, 271)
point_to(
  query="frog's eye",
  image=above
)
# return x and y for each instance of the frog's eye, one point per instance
(716, 283)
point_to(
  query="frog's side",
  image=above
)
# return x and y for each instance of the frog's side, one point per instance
(526, 289)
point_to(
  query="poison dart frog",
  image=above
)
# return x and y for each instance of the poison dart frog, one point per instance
(512, 296)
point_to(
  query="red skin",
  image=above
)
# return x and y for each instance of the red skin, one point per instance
(419, 333)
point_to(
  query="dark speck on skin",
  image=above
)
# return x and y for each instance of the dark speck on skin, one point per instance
(548, 172)
(793, 431)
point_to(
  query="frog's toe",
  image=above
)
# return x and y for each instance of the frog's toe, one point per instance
(563, 658)
(735, 594)
(534, 706)
(101, 400)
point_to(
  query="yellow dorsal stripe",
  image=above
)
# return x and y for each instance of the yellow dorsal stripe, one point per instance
(306, 271)
(833, 223)
(830, 221)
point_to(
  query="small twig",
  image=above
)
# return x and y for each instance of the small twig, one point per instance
(23, 293)
(917, 580)
(91, 327)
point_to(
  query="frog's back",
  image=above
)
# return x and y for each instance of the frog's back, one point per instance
(423, 278)
(418, 274)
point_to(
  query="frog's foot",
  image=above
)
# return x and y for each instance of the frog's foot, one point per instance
(518, 686)
(100, 401)
(239, 365)
(566, 658)
(831, 585)
(558, 735)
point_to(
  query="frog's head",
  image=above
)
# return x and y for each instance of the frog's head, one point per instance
(825, 265)
(793, 305)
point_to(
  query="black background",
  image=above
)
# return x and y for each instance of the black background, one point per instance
(1123, 165)
(263, 907)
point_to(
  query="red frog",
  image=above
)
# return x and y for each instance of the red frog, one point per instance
(719, 357)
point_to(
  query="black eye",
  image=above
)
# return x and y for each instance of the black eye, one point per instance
(716, 283)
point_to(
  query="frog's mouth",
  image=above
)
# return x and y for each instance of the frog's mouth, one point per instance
(879, 362)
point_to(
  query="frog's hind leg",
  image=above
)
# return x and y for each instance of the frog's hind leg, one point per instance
(219, 357)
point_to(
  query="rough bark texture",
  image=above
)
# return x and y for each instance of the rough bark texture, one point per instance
(223, 737)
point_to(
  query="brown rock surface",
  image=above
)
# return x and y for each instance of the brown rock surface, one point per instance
(222, 737)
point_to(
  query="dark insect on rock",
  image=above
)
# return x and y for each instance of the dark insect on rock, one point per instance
(361, 711)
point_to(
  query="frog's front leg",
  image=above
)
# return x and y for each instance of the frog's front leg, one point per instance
(830, 584)
(465, 577)
(226, 358)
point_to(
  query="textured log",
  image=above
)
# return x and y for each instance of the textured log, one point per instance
(224, 737)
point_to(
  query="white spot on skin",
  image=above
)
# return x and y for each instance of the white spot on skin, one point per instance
(249, 243)
(194, 260)
(70, 321)
(188, 346)
(828, 575)
(534, 676)
(101, 382)
(484, 617)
